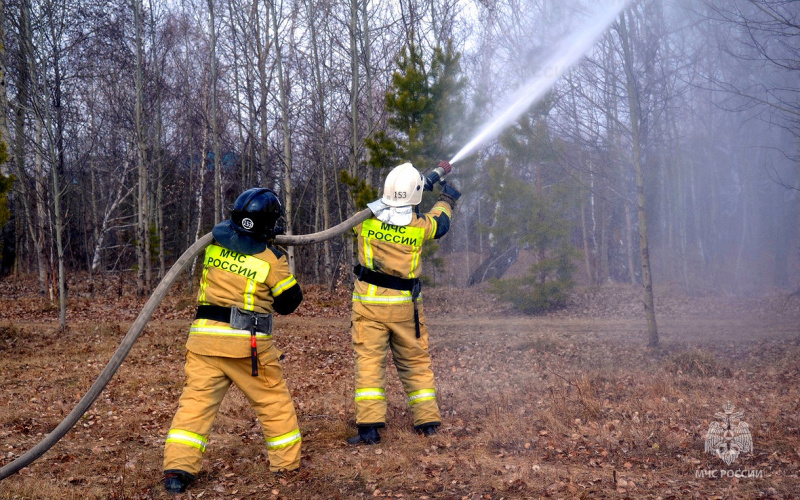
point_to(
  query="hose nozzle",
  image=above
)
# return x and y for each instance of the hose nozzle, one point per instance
(437, 174)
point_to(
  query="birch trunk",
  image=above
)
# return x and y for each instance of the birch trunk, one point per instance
(20, 115)
(287, 138)
(59, 229)
(635, 110)
(370, 103)
(353, 160)
(199, 196)
(121, 193)
(94, 263)
(262, 50)
(41, 214)
(56, 149)
(40, 103)
(236, 85)
(158, 152)
(322, 143)
(143, 274)
(250, 178)
(214, 103)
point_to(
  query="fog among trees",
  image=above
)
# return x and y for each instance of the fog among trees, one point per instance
(131, 126)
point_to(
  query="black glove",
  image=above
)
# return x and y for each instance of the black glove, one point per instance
(449, 191)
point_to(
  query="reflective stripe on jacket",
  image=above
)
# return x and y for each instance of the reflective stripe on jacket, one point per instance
(249, 282)
(396, 251)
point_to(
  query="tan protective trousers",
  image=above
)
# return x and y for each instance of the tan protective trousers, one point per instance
(207, 380)
(370, 342)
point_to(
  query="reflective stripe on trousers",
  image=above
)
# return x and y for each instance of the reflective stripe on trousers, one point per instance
(370, 393)
(371, 340)
(207, 380)
(417, 397)
(187, 438)
(284, 440)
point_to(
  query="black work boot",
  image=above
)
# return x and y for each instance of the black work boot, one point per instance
(176, 480)
(367, 434)
(427, 429)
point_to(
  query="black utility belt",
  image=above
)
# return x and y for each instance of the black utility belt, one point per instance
(387, 281)
(413, 285)
(236, 317)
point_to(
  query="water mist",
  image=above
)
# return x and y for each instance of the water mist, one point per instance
(565, 54)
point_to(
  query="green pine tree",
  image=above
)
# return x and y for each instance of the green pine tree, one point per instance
(424, 104)
(532, 205)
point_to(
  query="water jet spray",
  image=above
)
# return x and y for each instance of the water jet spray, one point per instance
(565, 55)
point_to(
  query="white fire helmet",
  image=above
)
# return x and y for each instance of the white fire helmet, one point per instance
(403, 186)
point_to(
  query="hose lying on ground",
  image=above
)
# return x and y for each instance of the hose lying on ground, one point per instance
(138, 326)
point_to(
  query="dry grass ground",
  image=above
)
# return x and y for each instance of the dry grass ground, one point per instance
(570, 405)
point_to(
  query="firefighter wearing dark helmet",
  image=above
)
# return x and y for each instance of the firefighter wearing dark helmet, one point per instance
(387, 308)
(245, 279)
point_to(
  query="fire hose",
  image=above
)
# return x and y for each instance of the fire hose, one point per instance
(149, 308)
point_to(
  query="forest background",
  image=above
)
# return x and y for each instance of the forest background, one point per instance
(130, 127)
(669, 152)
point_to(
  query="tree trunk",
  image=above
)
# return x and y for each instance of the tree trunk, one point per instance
(59, 223)
(143, 274)
(780, 276)
(102, 227)
(741, 276)
(95, 216)
(323, 144)
(588, 250)
(56, 149)
(635, 110)
(629, 243)
(681, 208)
(41, 242)
(214, 103)
(5, 136)
(250, 177)
(158, 152)
(370, 103)
(243, 173)
(585, 239)
(287, 138)
(20, 113)
(199, 194)
(354, 143)
(40, 102)
(262, 50)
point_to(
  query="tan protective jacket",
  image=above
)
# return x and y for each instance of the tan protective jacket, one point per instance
(250, 282)
(396, 251)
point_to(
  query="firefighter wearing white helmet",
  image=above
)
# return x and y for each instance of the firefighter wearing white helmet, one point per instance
(387, 306)
(403, 186)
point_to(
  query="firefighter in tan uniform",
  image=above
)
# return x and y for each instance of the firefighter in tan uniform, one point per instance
(387, 308)
(244, 281)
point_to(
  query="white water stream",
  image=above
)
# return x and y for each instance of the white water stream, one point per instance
(566, 53)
